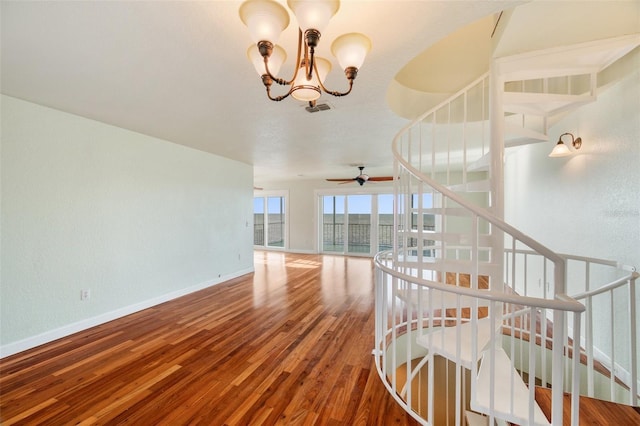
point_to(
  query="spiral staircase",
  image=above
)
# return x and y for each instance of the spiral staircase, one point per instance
(477, 323)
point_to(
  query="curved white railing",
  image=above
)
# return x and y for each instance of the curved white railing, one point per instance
(466, 291)
(399, 322)
(405, 307)
(610, 336)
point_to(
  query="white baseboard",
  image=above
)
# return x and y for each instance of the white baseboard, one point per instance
(282, 250)
(603, 358)
(618, 371)
(301, 251)
(66, 330)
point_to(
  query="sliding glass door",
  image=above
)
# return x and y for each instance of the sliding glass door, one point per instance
(359, 224)
(275, 221)
(356, 223)
(269, 221)
(332, 227)
(385, 222)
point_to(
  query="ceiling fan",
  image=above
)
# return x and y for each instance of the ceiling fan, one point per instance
(362, 178)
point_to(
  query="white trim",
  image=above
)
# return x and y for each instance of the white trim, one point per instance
(618, 370)
(66, 330)
(301, 251)
(265, 194)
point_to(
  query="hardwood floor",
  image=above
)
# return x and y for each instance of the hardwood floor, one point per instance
(289, 344)
(592, 411)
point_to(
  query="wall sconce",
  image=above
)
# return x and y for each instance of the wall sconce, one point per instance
(562, 150)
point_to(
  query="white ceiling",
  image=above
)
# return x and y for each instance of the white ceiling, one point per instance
(177, 70)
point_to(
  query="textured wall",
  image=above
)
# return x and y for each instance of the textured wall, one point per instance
(86, 205)
(589, 203)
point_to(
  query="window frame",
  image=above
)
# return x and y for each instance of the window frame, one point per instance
(374, 243)
(265, 195)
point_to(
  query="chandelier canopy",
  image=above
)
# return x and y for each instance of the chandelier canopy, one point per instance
(266, 19)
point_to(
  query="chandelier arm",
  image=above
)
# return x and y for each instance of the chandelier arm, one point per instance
(266, 48)
(351, 75)
(268, 81)
(310, 65)
(296, 65)
(280, 81)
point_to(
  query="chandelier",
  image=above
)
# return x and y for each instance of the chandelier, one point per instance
(266, 19)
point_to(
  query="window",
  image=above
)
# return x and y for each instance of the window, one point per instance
(359, 224)
(333, 223)
(269, 221)
(356, 223)
(275, 224)
(385, 222)
(258, 221)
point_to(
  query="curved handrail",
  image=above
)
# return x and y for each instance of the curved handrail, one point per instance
(483, 213)
(562, 302)
(523, 310)
(608, 287)
(605, 262)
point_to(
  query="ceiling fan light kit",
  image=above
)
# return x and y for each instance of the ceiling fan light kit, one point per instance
(266, 19)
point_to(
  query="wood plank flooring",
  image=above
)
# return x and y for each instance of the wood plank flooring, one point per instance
(289, 344)
(592, 411)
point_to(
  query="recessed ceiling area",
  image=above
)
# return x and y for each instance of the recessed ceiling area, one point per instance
(442, 69)
(452, 62)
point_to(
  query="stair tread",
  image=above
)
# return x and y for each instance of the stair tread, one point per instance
(473, 186)
(518, 136)
(438, 265)
(444, 340)
(438, 299)
(571, 59)
(515, 132)
(502, 392)
(481, 164)
(451, 239)
(475, 419)
(449, 211)
(543, 104)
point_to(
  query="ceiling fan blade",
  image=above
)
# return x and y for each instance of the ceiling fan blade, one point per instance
(380, 178)
(340, 180)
